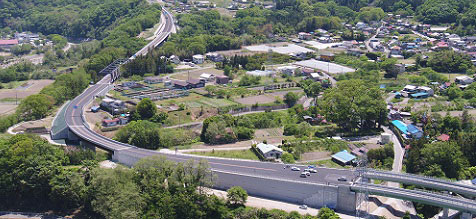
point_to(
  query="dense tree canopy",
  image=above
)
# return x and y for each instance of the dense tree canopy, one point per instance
(354, 104)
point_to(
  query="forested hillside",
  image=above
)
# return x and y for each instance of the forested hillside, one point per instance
(85, 18)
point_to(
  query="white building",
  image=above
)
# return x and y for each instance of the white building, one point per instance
(207, 77)
(174, 59)
(269, 151)
(427, 90)
(288, 70)
(198, 59)
(266, 73)
(464, 80)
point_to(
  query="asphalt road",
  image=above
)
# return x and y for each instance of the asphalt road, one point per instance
(76, 124)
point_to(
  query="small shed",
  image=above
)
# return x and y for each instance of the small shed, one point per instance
(343, 157)
(222, 79)
(269, 151)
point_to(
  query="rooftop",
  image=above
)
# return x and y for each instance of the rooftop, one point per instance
(343, 156)
(265, 148)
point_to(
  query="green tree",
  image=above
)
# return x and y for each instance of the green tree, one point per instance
(114, 194)
(287, 158)
(327, 213)
(291, 98)
(35, 107)
(446, 155)
(146, 109)
(352, 104)
(236, 195)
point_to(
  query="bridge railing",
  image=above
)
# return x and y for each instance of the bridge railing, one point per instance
(418, 195)
(417, 177)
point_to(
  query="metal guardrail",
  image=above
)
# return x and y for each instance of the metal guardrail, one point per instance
(424, 180)
(419, 196)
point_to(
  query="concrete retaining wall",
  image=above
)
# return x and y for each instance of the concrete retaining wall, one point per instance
(313, 195)
(338, 197)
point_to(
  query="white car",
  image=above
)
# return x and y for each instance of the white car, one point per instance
(303, 174)
(303, 207)
(307, 173)
(295, 169)
(310, 170)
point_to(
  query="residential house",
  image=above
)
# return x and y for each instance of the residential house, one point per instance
(174, 59)
(304, 36)
(269, 151)
(196, 83)
(354, 52)
(427, 90)
(410, 89)
(316, 77)
(110, 122)
(7, 44)
(215, 57)
(198, 59)
(396, 50)
(222, 79)
(207, 77)
(443, 137)
(287, 70)
(112, 106)
(464, 80)
(179, 84)
(328, 57)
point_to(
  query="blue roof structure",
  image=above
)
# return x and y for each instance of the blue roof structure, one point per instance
(419, 95)
(401, 126)
(414, 131)
(343, 157)
(474, 181)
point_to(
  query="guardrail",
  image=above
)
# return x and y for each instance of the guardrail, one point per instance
(422, 181)
(425, 197)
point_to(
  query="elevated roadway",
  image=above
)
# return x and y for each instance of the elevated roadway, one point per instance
(268, 172)
(427, 182)
(435, 199)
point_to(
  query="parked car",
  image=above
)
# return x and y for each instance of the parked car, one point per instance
(295, 169)
(303, 175)
(303, 207)
(342, 179)
(307, 173)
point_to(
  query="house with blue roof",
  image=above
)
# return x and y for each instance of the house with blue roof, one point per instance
(343, 157)
(414, 131)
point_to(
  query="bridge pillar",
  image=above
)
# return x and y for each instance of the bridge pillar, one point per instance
(88, 145)
(445, 213)
(466, 215)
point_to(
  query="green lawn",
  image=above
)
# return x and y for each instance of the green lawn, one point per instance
(241, 154)
(329, 163)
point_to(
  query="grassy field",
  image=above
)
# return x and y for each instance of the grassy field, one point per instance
(329, 163)
(241, 154)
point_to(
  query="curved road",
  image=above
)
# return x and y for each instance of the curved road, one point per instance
(78, 126)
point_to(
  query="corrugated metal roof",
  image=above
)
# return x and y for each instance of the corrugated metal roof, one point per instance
(343, 156)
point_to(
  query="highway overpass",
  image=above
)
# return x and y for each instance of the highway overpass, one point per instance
(423, 181)
(265, 179)
(425, 197)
